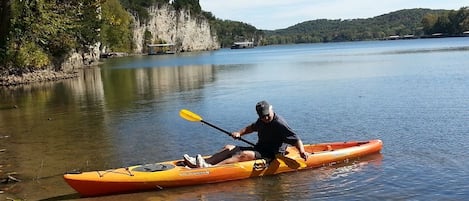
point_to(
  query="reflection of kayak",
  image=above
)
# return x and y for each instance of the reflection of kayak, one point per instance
(174, 173)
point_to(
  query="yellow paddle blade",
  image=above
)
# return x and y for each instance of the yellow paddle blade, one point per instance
(189, 116)
(292, 163)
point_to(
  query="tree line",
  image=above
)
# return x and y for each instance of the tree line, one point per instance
(41, 34)
(450, 23)
(229, 31)
(410, 22)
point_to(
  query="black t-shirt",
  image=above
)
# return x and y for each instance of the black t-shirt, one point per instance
(272, 136)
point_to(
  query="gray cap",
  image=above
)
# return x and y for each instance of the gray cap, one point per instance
(263, 108)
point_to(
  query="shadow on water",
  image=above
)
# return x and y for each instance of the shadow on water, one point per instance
(429, 50)
(63, 197)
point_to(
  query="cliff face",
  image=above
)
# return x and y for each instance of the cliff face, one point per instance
(187, 32)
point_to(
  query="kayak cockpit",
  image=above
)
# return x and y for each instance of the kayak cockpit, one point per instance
(155, 167)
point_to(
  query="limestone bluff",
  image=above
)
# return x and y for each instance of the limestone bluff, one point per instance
(180, 27)
(188, 32)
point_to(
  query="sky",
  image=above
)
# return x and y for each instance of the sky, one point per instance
(279, 14)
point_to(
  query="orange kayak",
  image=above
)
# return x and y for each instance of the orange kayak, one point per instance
(168, 174)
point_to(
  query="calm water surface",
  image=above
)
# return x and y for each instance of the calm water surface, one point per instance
(412, 94)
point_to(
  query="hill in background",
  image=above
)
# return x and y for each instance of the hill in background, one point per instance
(408, 23)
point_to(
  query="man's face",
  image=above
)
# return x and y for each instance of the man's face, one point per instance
(267, 118)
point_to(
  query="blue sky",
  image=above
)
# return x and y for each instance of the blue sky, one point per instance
(278, 14)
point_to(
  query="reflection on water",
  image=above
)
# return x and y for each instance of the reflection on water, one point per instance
(124, 86)
(55, 127)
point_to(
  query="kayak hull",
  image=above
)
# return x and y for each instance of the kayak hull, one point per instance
(173, 173)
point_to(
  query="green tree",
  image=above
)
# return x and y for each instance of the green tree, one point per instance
(449, 23)
(459, 21)
(5, 8)
(442, 24)
(42, 33)
(31, 25)
(147, 37)
(139, 7)
(116, 27)
(231, 31)
(464, 23)
(191, 5)
(87, 24)
(428, 22)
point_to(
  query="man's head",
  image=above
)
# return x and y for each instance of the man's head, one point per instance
(264, 110)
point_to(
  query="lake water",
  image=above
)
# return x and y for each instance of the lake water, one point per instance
(412, 94)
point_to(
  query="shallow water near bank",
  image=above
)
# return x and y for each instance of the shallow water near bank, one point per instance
(412, 94)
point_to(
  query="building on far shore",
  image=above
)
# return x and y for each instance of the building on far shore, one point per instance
(155, 49)
(242, 45)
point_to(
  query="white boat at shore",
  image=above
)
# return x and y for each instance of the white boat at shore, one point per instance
(242, 45)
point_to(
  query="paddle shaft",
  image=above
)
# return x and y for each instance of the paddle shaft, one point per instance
(226, 132)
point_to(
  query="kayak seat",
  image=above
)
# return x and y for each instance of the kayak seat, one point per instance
(153, 167)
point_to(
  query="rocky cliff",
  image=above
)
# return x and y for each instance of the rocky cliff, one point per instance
(187, 32)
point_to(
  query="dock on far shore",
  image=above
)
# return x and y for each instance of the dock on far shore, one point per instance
(166, 48)
(242, 45)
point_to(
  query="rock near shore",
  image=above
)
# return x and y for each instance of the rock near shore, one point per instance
(36, 76)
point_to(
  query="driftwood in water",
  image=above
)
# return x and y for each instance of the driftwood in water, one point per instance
(9, 179)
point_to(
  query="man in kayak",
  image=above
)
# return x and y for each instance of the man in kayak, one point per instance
(274, 135)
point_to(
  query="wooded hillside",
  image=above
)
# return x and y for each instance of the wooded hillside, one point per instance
(416, 22)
